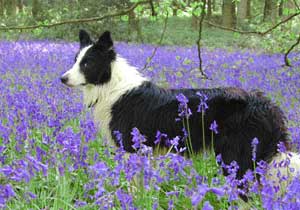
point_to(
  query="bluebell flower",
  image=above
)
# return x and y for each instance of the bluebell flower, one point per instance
(281, 147)
(175, 142)
(137, 138)
(159, 137)
(207, 206)
(119, 138)
(199, 194)
(183, 110)
(213, 127)
(170, 204)
(202, 107)
(254, 144)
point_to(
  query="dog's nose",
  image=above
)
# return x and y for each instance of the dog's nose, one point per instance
(64, 79)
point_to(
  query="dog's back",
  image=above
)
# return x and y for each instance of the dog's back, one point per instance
(240, 116)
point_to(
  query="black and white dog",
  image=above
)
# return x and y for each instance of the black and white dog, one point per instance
(123, 99)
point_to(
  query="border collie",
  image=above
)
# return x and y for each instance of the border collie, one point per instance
(123, 99)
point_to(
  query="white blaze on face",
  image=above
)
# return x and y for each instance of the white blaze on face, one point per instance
(74, 76)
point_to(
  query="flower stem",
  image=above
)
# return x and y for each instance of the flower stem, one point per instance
(203, 131)
(189, 137)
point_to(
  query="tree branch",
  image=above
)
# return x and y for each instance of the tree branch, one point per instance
(261, 33)
(199, 39)
(286, 59)
(149, 59)
(74, 21)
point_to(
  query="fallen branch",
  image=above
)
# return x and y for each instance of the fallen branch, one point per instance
(75, 21)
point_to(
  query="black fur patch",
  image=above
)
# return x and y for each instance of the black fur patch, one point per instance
(96, 63)
(240, 116)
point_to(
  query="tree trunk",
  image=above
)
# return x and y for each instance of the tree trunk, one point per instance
(1, 8)
(280, 9)
(270, 11)
(11, 7)
(242, 12)
(174, 8)
(134, 25)
(20, 5)
(228, 14)
(214, 6)
(36, 7)
(248, 12)
(209, 9)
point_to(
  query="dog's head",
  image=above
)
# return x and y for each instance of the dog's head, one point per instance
(92, 62)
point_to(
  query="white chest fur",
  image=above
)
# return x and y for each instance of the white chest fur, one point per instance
(123, 78)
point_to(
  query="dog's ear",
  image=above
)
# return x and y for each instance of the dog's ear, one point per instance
(105, 41)
(84, 39)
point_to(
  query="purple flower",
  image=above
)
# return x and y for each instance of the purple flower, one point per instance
(159, 137)
(254, 144)
(170, 204)
(199, 194)
(182, 149)
(29, 196)
(262, 167)
(207, 206)
(218, 191)
(203, 102)
(155, 206)
(119, 138)
(145, 150)
(182, 99)
(80, 203)
(213, 127)
(219, 158)
(125, 199)
(171, 193)
(175, 142)
(281, 147)
(6, 193)
(137, 138)
(183, 110)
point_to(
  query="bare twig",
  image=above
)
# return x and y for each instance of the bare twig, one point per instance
(149, 59)
(199, 38)
(74, 21)
(261, 33)
(286, 59)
